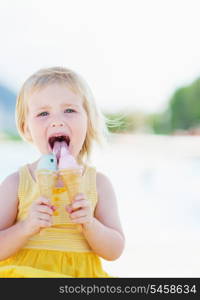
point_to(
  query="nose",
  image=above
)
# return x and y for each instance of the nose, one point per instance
(57, 124)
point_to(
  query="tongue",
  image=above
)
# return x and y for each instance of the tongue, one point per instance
(57, 147)
(66, 160)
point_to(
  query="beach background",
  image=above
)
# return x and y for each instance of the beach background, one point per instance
(156, 181)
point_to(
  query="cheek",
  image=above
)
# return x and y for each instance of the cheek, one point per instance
(81, 129)
(35, 127)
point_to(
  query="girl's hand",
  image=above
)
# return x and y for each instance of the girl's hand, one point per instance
(39, 216)
(80, 210)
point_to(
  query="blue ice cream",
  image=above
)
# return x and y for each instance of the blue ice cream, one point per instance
(48, 162)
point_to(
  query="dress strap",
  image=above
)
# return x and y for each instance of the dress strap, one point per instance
(27, 191)
(24, 182)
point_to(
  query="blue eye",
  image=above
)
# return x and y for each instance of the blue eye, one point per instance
(70, 110)
(44, 113)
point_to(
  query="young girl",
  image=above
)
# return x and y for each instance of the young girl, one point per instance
(57, 102)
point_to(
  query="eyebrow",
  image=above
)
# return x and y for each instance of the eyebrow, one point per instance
(62, 105)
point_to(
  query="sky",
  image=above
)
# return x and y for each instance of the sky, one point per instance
(133, 53)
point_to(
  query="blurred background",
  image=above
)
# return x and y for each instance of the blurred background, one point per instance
(142, 61)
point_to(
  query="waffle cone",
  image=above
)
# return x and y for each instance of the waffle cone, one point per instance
(72, 180)
(46, 180)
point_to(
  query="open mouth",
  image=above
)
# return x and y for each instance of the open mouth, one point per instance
(57, 143)
(60, 139)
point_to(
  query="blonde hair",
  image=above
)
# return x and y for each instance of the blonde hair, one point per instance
(96, 130)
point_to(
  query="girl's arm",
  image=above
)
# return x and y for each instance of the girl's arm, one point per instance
(104, 233)
(13, 236)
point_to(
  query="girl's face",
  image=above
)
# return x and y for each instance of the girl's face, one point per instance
(53, 110)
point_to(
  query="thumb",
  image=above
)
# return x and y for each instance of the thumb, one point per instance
(68, 208)
(43, 200)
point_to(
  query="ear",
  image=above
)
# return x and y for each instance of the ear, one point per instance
(27, 132)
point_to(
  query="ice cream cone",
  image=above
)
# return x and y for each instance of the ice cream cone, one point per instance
(72, 180)
(46, 180)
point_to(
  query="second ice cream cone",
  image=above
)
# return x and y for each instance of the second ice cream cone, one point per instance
(72, 180)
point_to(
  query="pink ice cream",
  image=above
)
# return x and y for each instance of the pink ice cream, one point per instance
(70, 172)
(64, 157)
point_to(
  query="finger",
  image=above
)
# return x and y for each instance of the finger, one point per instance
(53, 207)
(68, 209)
(44, 223)
(45, 209)
(79, 196)
(80, 204)
(44, 216)
(43, 200)
(78, 214)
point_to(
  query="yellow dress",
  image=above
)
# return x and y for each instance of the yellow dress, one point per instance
(60, 250)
